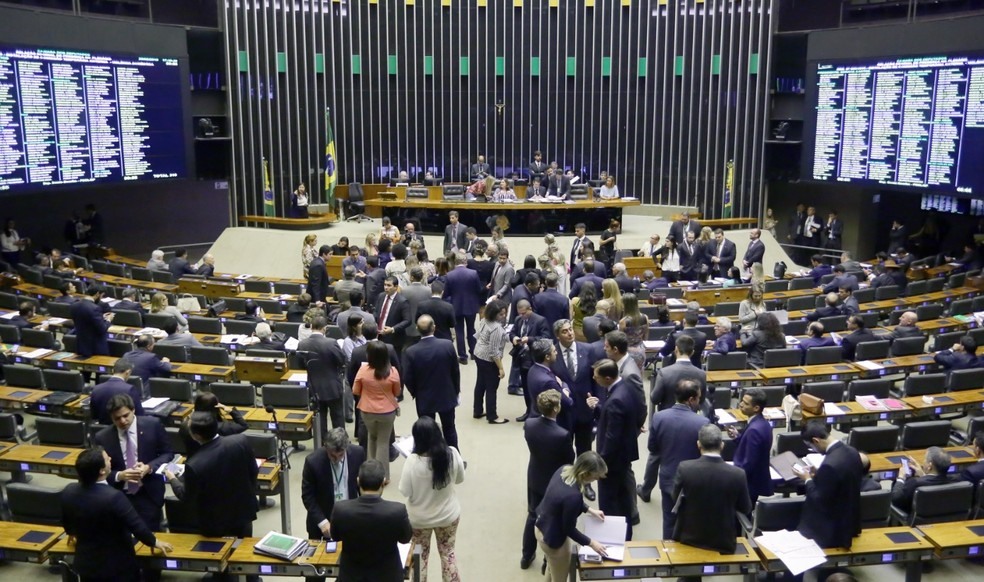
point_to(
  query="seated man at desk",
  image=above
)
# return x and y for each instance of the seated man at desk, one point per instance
(815, 339)
(841, 279)
(558, 185)
(859, 334)
(829, 309)
(67, 291)
(206, 266)
(907, 326)
(480, 170)
(961, 356)
(174, 338)
(130, 301)
(975, 472)
(536, 191)
(933, 471)
(25, 311)
(147, 364)
(819, 269)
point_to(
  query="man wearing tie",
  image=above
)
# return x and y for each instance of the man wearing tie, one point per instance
(463, 291)
(724, 254)
(410, 234)
(536, 190)
(811, 226)
(756, 249)
(541, 378)
(579, 239)
(573, 367)
(689, 260)
(454, 234)
(834, 231)
(480, 170)
(392, 314)
(537, 167)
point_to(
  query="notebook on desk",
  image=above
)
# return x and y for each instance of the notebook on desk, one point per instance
(609, 533)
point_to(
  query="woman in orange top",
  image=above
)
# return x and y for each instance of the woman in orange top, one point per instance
(378, 384)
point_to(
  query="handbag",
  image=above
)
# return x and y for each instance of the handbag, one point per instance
(779, 271)
(188, 303)
(657, 298)
(811, 404)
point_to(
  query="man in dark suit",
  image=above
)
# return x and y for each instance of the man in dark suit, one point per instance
(219, 482)
(579, 240)
(618, 439)
(626, 284)
(410, 235)
(672, 440)
(206, 267)
(975, 472)
(755, 253)
(147, 364)
(480, 170)
(527, 328)
(130, 301)
(550, 449)
(907, 326)
(819, 270)
(25, 311)
(319, 283)
(542, 378)
(587, 277)
(933, 471)
(91, 324)
(537, 168)
(754, 444)
(724, 253)
(831, 515)
(707, 493)
(137, 447)
(815, 339)
(833, 232)
(392, 314)
(573, 367)
(558, 185)
(898, 236)
(329, 475)
(179, 265)
(848, 302)
(374, 282)
(960, 356)
(415, 293)
(439, 310)
(356, 300)
(882, 277)
(829, 309)
(463, 289)
(551, 304)
(370, 528)
(103, 523)
(325, 362)
(858, 334)
(663, 395)
(680, 228)
(841, 279)
(431, 374)
(454, 234)
(691, 319)
(536, 189)
(115, 384)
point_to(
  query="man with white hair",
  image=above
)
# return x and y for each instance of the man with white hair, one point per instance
(206, 267)
(156, 262)
(625, 283)
(268, 341)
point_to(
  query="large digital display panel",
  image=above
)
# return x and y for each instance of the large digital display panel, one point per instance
(914, 122)
(77, 117)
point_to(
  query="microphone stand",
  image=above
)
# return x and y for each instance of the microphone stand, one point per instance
(283, 457)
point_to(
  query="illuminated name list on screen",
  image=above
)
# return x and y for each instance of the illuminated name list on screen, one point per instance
(69, 117)
(906, 122)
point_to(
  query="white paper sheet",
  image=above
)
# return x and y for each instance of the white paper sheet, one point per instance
(38, 353)
(10, 315)
(291, 344)
(831, 409)
(404, 552)
(152, 403)
(654, 345)
(609, 533)
(404, 445)
(869, 365)
(299, 377)
(725, 417)
(796, 552)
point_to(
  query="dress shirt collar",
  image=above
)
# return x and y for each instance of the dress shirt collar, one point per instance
(712, 455)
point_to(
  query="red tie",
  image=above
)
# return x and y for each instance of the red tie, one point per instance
(384, 312)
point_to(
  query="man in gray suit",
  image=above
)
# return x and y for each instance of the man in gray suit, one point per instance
(347, 285)
(416, 293)
(502, 274)
(454, 234)
(341, 320)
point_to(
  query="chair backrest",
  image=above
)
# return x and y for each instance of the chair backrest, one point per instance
(63, 380)
(874, 439)
(56, 309)
(941, 503)
(778, 513)
(264, 445)
(730, 361)
(925, 434)
(334, 332)
(961, 307)
(921, 384)
(49, 281)
(357, 195)
(239, 394)
(23, 376)
(34, 504)
(660, 332)
(791, 441)
(978, 511)
(235, 304)
(864, 295)
(935, 285)
(258, 353)
(10, 334)
(870, 319)
(288, 328)
(285, 396)
(782, 358)
(931, 311)
(118, 348)
(253, 286)
(173, 352)
(776, 285)
(8, 300)
(8, 427)
(128, 317)
(773, 394)
(59, 432)
(945, 341)
(834, 323)
(176, 389)
(285, 288)
(158, 320)
(726, 309)
(237, 326)
(270, 306)
(908, 346)
(721, 399)
(917, 288)
(876, 506)
(207, 355)
(795, 327)
(140, 274)
(956, 280)
(162, 277)
(182, 517)
(800, 283)
(968, 379)
(876, 387)
(800, 303)
(824, 355)
(204, 325)
(875, 350)
(886, 292)
(38, 338)
(830, 391)
(178, 444)
(29, 275)
(70, 343)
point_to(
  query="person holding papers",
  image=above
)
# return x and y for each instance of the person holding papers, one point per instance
(563, 503)
(707, 492)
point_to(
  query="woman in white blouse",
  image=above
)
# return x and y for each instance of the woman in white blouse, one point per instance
(504, 193)
(609, 191)
(428, 480)
(671, 261)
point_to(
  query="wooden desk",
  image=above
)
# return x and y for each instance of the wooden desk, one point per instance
(716, 295)
(294, 424)
(945, 403)
(886, 466)
(774, 415)
(27, 542)
(956, 539)
(38, 292)
(114, 258)
(636, 266)
(854, 413)
(899, 365)
(40, 459)
(192, 553)
(244, 560)
(283, 298)
(690, 561)
(209, 288)
(201, 372)
(734, 378)
(127, 282)
(25, 354)
(260, 370)
(72, 361)
(815, 373)
(642, 560)
(17, 398)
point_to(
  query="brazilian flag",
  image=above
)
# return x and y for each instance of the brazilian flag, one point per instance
(729, 183)
(331, 173)
(269, 208)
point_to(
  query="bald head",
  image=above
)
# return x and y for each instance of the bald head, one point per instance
(425, 325)
(908, 318)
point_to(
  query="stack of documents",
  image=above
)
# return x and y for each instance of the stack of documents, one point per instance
(280, 546)
(796, 552)
(609, 532)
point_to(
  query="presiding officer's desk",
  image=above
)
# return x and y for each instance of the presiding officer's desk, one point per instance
(27, 542)
(666, 558)
(956, 539)
(883, 545)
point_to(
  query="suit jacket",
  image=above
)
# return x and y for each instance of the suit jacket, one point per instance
(849, 343)
(580, 281)
(678, 230)
(591, 327)
(398, 318)
(101, 393)
(534, 328)
(90, 329)
(725, 344)
(219, 483)
(951, 360)
(552, 305)
(897, 237)
(904, 491)
(416, 293)
(618, 430)
(325, 349)
(850, 306)
(318, 485)
(464, 291)
(664, 390)
(728, 252)
(443, 314)
(673, 439)
(825, 311)
(537, 168)
(318, 281)
(183, 339)
(179, 268)
(102, 521)
(973, 472)
(632, 375)
(689, 261)
(708, 492)
(755, 252)
(834, 230)
(430, 372)
(460, 238)
(369, 529)
(559, 186)
(883, 280)
(752, 455)
(205, 270)
(577, 270)
(480, 170)
(832, 511)
(153, 448)
(841, 281)
(541, 379)
(501, 281)
(147, 365)
(627, 284)
(905, 331)
(550, 449)
(374, 286)
(668, 350)
(580, 383)
(818, 272)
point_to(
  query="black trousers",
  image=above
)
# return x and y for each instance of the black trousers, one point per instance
(461, 323)
(447, 424)
(334, 410)
(583, 436)
(612, 498)
(533, 499)
(486, 386)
